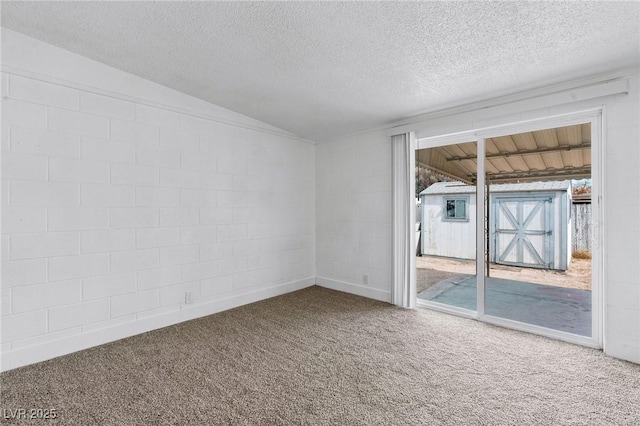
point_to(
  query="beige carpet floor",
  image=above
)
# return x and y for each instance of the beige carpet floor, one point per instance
(318, 357)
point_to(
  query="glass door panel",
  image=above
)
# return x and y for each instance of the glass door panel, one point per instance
(446, 225)
(537, 188)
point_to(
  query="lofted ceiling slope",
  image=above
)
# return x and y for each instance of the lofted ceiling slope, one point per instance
(322, 69)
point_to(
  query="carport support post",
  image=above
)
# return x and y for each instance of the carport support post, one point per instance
(488, 231)
(480, 226)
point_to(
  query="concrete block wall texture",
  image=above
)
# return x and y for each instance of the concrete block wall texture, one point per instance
(345, 181)
(622, 224)
(353, 215)
(114, 208)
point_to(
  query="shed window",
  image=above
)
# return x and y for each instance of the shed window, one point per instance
(455, 208)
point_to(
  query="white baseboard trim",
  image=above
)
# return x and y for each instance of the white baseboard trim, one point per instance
(371, 293)
(64, 346)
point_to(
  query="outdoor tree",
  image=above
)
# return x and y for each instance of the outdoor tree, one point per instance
(426, 177)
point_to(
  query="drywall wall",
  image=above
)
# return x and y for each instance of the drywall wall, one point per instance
(120, 197)
(343, 166)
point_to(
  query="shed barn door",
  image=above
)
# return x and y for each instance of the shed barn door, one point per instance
(523, 231)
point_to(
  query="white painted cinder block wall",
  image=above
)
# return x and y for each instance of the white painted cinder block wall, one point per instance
(353, 178)
(119, 195)
(353, 215)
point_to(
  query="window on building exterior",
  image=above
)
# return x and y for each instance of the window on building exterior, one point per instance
(455, 208)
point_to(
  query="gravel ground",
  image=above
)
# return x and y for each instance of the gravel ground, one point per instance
(431, 270)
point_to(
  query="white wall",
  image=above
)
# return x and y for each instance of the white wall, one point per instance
(340, 228)
(353, 215)
(120, 195)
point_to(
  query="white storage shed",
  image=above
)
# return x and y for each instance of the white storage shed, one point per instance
(529, 223)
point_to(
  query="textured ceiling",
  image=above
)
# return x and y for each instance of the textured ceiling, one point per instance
(322, 69)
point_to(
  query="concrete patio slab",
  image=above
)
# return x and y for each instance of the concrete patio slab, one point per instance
(557, 308)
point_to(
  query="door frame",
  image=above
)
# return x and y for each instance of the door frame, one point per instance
(594, 116)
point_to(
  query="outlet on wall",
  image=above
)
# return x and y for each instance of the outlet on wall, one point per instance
(188, 297)
(365, 279)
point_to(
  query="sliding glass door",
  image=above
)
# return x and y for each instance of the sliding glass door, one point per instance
(507, 230)
(539, 260)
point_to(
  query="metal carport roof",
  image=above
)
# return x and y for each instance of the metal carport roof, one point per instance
(550, 154)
